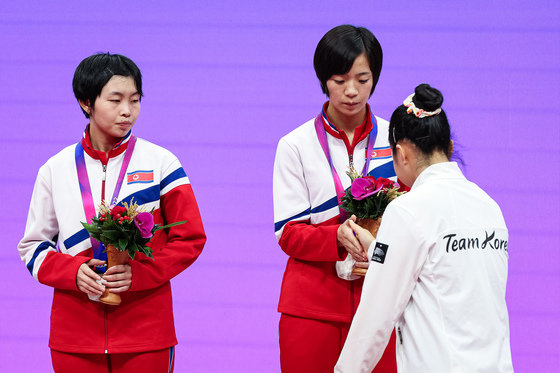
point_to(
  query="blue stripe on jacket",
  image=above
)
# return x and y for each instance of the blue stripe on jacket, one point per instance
(42, 247)
(175, 175)
(322, 207)
(385, 170)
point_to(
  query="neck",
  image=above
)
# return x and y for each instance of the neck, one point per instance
(347, 124)
(101, 143)
(427, 161)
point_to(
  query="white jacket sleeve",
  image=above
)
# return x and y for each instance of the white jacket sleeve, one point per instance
(42, 226)
(398, 256)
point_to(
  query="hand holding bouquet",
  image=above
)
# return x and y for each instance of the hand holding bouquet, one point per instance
(124, 231)
(367, 198)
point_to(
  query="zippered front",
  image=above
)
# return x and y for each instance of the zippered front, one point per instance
(105, 321)
(103, 178)
(106, 328)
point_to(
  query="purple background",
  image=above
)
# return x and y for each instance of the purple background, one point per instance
(223, 81)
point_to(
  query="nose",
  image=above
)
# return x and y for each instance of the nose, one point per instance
(351, 90)
(125, 109)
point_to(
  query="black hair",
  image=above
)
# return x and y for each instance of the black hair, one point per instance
(429, 134)
(95, 71)
(337, 50)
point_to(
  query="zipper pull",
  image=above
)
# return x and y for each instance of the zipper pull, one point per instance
(400, 334)
(104, 172)
(351, 158)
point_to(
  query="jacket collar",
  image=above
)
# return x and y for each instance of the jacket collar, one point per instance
(361, 132)
(119, 148)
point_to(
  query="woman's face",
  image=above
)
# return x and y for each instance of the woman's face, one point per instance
(115, 111)
(350, 92)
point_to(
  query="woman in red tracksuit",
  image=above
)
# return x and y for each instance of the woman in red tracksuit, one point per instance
(309, 173)
(110, 164)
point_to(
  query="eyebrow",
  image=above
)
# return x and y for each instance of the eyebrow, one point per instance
(122, 94)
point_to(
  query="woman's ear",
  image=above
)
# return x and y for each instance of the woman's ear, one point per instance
(401, 154)
(85, 106)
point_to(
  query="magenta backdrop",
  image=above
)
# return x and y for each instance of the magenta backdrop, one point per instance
(223, 81)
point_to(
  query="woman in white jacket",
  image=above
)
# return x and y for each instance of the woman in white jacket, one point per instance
(438, 268)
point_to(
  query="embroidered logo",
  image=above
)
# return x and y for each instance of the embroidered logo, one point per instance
(140, 177)
(380, 252)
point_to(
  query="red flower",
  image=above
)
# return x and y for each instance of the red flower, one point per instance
(385, 183)
(117, 210)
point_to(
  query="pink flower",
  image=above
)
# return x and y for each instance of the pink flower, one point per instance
(144, 221)
(364, 187)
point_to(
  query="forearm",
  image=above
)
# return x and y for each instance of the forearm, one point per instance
(312, 242)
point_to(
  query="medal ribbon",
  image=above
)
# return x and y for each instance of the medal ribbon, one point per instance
(85, 189)
(322, 136)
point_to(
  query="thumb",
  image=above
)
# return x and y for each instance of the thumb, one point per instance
(353, 218)
(95, 262)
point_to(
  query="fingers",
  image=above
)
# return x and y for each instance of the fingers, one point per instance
(95, 262)
(361, 265)
(348, 240)
(86, 280)
(119, 278)
(363, 235)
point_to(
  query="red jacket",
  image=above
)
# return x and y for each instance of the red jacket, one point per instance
(144, 319)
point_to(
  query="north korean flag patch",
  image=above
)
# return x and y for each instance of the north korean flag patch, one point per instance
(380, 252)
(140, 177)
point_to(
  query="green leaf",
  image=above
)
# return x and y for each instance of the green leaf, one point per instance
(113, 235)
(158, 227)
(123, 241)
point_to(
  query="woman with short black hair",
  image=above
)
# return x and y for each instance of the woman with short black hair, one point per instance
(86, 335)
(309, 176)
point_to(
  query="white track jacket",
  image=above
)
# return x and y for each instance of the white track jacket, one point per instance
(438, 273)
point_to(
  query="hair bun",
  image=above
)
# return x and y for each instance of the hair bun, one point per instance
(427, 98)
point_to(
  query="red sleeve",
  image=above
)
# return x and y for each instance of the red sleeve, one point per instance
(60, 270)
(174, 248)
(312, 242)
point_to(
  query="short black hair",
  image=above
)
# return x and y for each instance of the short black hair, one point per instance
(429, 133)
(337, 50)
(95, 71)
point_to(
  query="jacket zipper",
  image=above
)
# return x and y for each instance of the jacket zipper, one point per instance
(106, 329)
(400, 334)
(103, 178)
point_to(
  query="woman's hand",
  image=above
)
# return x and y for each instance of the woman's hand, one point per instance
(119, 278)
(363, 235)
(360, 268)
(346, 238)
(86, 278)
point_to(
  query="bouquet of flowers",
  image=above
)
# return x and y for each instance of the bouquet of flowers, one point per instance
(124, 231)
(367, 198)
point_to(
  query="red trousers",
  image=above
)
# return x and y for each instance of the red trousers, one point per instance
(313, 346)
(160, 361)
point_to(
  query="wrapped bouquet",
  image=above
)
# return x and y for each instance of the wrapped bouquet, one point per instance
(124, 231)
(367, 198)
